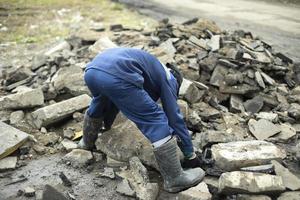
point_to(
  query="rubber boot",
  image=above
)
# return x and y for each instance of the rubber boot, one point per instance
(175, 178)
(91, 128)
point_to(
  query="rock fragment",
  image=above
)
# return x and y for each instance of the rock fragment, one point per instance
(101, 45)
(11, 139)
(124, 188)
(254, 105)
(294, 111)
(8, 163)
(252, 197)
(78, 157)
(108, 173)
(68, 145)
(198, 192)
(250, 183)
(27, 99)
(290, 180)
(16, 117)
(289, 196)
(190, 92)
(272, 117)
(29, 192)
(286, 133)
(58, 111)
(236, 104)
(262, 129)
(63, 45)
(50, 193)
(235, 155)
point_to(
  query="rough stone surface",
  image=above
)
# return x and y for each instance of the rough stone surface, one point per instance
(252, 197)
(118, 144)
(234, 155)
(16, 117)
(78, 157)
(63, 45)
(289, 196)
(236, 104)
(68, 144)
(11, 139)
(250, 183)
(189, 91)
(8, 163)
(50, 193)
(124, 188)
(254, 105)
(294, 111)
(199, 192)
(58, 111)
(114, 163)
(101, 45)
(108, 173)
(29, 192)
(290, 180)
(70, 80)
(262, 129)
(287, 132)
(26, 99)
(273, 117)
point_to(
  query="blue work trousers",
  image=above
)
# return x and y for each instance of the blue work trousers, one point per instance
(111, 94)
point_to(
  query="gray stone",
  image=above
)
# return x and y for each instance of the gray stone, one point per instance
(70, 80)
(190, 92)
(198, 192)
(58, 111)
(272, 117)
(68, 145)
(184, 108)
(297, 127)
(16, 117)
(290, 180)
(199, 42)
(287, 132)
(250, 183)
(11, 139)
(29, 192)
(289, 196)
(16, 74)
(252, 197)
(214, 43)
(27, 99)
(254, 105)
(8, 163)
(259, 80)
(124, 188)
(294, 111)
(262, 129)
(101, 45)
(108, 173)
(114, 163)
(118, 144)
(50, 193)
(63, 45)
(69, 133)
(267, 78)
(38, 61)
(218, 75)
(17, 84)
(283, 90)
(78, 157)
(48, 139)
(235, 155)
(238, 89)
(206, 112)
(236, 104)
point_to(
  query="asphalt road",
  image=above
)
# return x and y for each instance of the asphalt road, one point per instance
(275, 22)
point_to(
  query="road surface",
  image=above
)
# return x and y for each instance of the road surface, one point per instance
(273, 21)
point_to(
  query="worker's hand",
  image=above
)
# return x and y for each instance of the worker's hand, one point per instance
(192, 162)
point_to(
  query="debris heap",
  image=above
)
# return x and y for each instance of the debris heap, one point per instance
(240, 99)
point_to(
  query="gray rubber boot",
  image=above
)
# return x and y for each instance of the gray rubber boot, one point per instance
(91, 128)
(175, 178)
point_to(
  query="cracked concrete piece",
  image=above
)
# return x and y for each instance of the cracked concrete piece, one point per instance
(249, 183)
(58, 111)
(262, 129)
(235, 155)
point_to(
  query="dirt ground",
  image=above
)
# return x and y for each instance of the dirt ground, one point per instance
(275, 21)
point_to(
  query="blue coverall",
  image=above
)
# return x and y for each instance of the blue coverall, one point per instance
(132, 80)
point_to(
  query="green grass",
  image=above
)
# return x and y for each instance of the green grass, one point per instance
(36, 21)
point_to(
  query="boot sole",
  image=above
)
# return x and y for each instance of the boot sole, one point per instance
(179, 189)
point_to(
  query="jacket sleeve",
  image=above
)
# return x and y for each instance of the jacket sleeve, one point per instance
(168, 98)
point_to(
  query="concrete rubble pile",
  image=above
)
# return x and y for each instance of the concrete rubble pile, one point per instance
(240, 99)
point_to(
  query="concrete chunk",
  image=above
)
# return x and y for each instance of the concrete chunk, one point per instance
(235, 155)
(58, 111)
(272, 117)
(250, 183)
(287, 132)
(101, 45)
(8, 163)
(11, 139)
(26, 99)
(289, 196)
(290, 181)
(78, 157)
(199, 192)
(124, 188)
(254, 105)
(262, 129)
(190, 92)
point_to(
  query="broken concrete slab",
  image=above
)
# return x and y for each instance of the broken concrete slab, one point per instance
(252, 197)
(70, 80)
(198, 192)
(26, 99)
(125, 189)
(287, 132)
(254, 105)
(190, 92)
(262, 129)
(250, 183)
(235, 155)
(290, 181)
(78, 157)
(11, 139)
(51, 193)
(270, 116)
(58, 111)
(289, 196)
(118, 144)
(8, 163)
